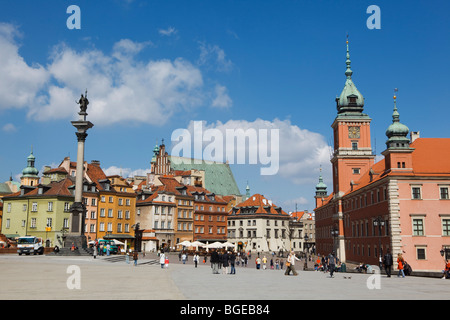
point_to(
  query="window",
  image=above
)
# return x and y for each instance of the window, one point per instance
(416, 193)
(110, 227)
(421, 253)
(446, 226)
(354, 145)
(444, 193)
(417, 224)
(33, 223)
(110, 214)
(356, 170)
(50, 206)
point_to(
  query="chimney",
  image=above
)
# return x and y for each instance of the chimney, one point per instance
(414, 135)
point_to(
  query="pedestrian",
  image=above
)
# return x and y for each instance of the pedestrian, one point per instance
(281, 264)
(162, 259)
(400, 262)
(215, 261)
(95, 250)
(258, 263)
(290, 264)
(246, 261)
(225, 263)
(264, 261)
(232, 261)
(183, 257)
(135, 257)
(388, 262)
(277, 264)
(108, 249)
(446, 270)
(166, 262)
(331, 263)
(196, 258)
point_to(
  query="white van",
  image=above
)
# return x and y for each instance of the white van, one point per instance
(29, 244)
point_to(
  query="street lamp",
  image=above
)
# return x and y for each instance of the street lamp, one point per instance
(379, 222)
(334, 233)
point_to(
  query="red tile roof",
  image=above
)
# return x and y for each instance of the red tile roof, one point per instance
(261, 203)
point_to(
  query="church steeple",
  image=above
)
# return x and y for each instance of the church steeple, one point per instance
(30, 173)
(352, 146)
(321, 190)
(350, 101)
(398, 155)
(397, 132)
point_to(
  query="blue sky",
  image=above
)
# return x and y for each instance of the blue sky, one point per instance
(151, 67)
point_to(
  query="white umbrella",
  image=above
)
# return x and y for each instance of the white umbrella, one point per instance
(184, 243)
(228, 245)
(215, 245)
(197, 244)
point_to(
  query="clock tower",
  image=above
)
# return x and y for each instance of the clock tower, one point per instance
(352, 154)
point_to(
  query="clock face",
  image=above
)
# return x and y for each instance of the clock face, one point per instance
(353, 132)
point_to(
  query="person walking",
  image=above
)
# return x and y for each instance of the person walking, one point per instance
(400, 262)
(225, 263)
(388, 262)
(215, 261)
(183, 257)
(264, 261)
(95, 249)
(162, 259)
(258, 263)
(331, 263)
(196, 258)
(135, 257)
(232, 262)
(290, 264)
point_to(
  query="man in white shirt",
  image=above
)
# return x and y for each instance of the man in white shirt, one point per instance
(290, 264)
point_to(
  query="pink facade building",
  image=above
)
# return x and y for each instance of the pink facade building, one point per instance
(400, 203)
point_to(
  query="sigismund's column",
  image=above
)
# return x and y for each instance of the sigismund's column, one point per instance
(78, 209)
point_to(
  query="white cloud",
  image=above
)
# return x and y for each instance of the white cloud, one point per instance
(212, 56)
(121, 88)
(222, 99)
(125, 172)
(168, 32)
(19, 82)
(300, 152)
(9, 128)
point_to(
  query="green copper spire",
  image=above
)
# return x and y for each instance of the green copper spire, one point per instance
(351, 101)
(321, 188)
(30, 170)
(397, 132)
(349, 71)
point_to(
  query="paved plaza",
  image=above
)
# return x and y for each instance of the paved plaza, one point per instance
(73, 278)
